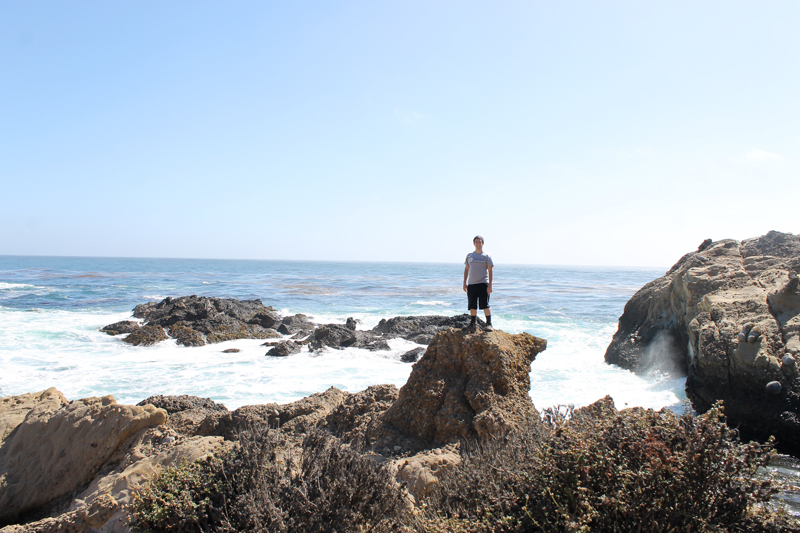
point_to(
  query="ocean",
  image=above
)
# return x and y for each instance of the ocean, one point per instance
(52, 308)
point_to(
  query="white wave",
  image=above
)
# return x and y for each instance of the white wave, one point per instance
(156, 297)
(432, 302)
(13, 286)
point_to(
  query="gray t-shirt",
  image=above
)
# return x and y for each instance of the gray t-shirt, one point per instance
(478, 267)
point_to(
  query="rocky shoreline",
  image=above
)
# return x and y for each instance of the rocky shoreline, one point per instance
(199, 320)
(728, 316)
(72, 465)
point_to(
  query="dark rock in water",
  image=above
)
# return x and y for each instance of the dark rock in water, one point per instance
(183, 402)
(411, 356)
(231, 350)
(266, 319)
(284, 348)
(120, 328)
(351, 323)
(297, 320)
(378, 346)
(422, 338)
(727, 319)
(186, 336)
(339, 336)
(195, 321)
(146, 336)
(288, 329)
(412, 327)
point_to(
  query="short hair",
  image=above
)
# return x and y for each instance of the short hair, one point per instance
(478, 237)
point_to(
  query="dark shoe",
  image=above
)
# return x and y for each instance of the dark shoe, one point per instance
(472, 328)
(488, 328)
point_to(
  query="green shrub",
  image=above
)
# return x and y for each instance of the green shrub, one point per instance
(604, 470)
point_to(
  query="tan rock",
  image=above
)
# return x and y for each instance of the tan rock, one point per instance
(14, 409)
(87, 518)
(466, 387)
(148, 452)
(54, 452)
(421, 472)
(726, 316)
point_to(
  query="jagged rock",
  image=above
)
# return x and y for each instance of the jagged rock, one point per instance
(146, 336)
(298, 320)
(421, 328)
(197, 320)
(55, 451)
(14, 409)
(231, 350)
(464, 387)
(339, 336)
(411, 356)
(85, 518)
(379, 345)
(119, 328)
(183, 402)
(726, 318)
(284, 349)
(186, 336)
(266, 319)
(351, 323)
(295, 417)
(352, 419)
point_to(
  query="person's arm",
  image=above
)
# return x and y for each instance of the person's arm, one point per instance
(489, 289)
(466, 273)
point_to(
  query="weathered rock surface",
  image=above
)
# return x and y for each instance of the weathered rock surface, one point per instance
(728, 316)
(466, 387)
(422, 471)
(14, 409)
(283, 349)
(198, 320)
(183, 402)
(411, 356)
(119, 328)
(421, 329)
(146, 336)
(57, 449)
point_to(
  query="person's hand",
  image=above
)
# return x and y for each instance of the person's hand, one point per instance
(465, 287)
(489, 289)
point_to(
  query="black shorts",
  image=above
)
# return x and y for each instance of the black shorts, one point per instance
(477, 294)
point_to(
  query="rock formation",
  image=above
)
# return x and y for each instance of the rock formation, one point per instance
(727, 316)
(71, 466)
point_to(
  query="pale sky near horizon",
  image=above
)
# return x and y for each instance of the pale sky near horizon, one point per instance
(572, 133)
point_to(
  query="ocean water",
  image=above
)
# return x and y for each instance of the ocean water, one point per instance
(51, 310)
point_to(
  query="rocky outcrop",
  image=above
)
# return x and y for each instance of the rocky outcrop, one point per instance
(421, 329)
(728, 317)
(465, 387)
(199, 320)
(72, 466)
(80, 437)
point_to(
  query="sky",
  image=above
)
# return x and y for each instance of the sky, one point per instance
(569, 133)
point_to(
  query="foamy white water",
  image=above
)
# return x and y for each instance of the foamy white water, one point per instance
(51, 319)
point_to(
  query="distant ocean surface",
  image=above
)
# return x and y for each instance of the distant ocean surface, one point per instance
(51, 310)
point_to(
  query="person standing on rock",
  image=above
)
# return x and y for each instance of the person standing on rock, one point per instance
(478, 284)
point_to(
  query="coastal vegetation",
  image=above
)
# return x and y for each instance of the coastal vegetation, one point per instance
(592, 469)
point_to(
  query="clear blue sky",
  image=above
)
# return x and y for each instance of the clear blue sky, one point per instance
(596, 133)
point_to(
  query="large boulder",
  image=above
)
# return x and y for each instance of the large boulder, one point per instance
(57, 449)
(465, 387)
(197, 320)
(14, 409)
(727, 316)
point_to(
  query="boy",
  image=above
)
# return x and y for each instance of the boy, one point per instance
(478, 284)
